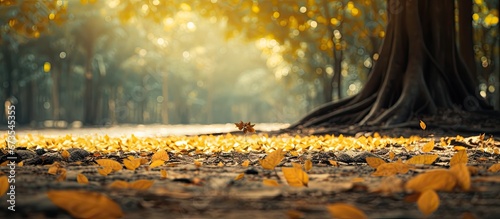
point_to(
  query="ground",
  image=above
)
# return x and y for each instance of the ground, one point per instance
(204, 184)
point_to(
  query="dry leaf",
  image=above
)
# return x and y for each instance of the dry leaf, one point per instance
(4, 164)
(131, 164)
(272, 159)
(245, 163)
(156, 163)
(297, 165)
(422, 125)
(270, 182)
(308, 165)
(114, 165)
(198, 163)
(374, 161)
(220, 164)
(391, 155)
(105, 171)
(85, 204)
(141, 184)
(82, 179)
(468, 215)
(65, 154)
(245, 127)
(459, 157)
(20, 164)
(53, 170)
(462, 175)
(4, 185)
(295, 177)
(494, 168)
(428, 146)
(459, 148)
(428, 202)
(389, 169)
(163, 174)
(62, 176)
(333, 163)
(423, 159)
(119, 184)
(160, 155)
(438, 180)
(413, 197)
(294, 214)
(345, 211)
(239, 176)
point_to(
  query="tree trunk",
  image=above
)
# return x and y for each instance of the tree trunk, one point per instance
(419, 72)
(88, 97)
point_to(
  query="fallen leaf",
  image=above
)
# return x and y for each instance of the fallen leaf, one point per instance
(114, 165)
(82, 179)
(142, 184)
(160, 155)
(156, 163)
(345, 211)
(294, 214)
(422, 125)
(468, 215)
(239, 176)
(494, 168)
(85, 204)
(308, 165)
(295, 177)
(65, 154)
(272, 159)
(119, 184)
(333, 163)
(220, 164)
(459, 157)
(462, 175)
(413, 197)
(270, 182)
(390, 169)
(163, 174)
(198, 163)
(105, 171)
(374, 161)
(131, 164)
(245, 163)
(459, 148)
(428, 146)
(428, 202)
(4, 164)
(391, 155)
(4, 185)
(20, 164)
(62, 176)
(423, 159)
(438, 180)
(473, 170)
(296, 165)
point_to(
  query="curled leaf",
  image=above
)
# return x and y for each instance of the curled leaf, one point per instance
(163, 174)
(422, 125)
(428, 146)
(272, 159)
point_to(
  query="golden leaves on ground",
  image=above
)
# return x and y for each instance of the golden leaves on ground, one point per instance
(494, 168)
(270, 182)
(156, 163)
(272, 159)
(423, 159)
(345, 211)
(428, 202)
(141, 184)
(295, 177)
(438, 180)
(65, 154)
(4, 185)
(374, 161)
(459, 157)
(428, 146)
(245, 127)
(105, 171)
(85, 204)
(114, 165)
(160, 155)
(82, 179)
(390, 169)
(57, 169)
(422, 125)
(131, 163)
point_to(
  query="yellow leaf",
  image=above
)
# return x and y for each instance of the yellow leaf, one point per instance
(220, 164)
(438, 180)
(270, 182)
(459, 148)
(114, 165)
(389, 169)
(62, 176)
(459, 157)
(428, 202)
(245, 163)
(374, 161)
(143, 160)
(428, 146)
(160, 155)
(119, 184)
(4, 164)
(141, 184)
(85, 204)
(239, 176)
(20, 164)
(272, 159)
(198, 163)
(163, 174)
(4, 185)
(462, 175)
(422, 125)
(156, 163)
(345, 211)
(55, 169)
(105, 171)
(391, 155)
(65, 154)
(494, 168)
(308, 165)
(297, 165)
(82, 179)
(423, 159)
(295, 177)
(333, 163)
(131, 164)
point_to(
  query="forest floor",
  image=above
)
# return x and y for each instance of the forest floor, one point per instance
(232, 183)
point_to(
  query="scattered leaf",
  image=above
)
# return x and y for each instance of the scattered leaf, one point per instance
(345, 211)
(459, 148)
(65, 154)
(82, 179)
(119, 184)
(198, 163)
(423, 159)
(220, 164)
(390, 169)
(438, 180)
(20, 164)
(413, 197)
(62, 176)
(114, 165)
(428, 202)
(295, 177)
(239, 176)
(468, 215)
(245, 163)
(85, 204)
(4, 185)
(294, 214)
(4, 164)
(494, 168)
(160, 155)
(374, 161)
(391, 155)
(308, 165)
(245, 127)
(462, 175)
(459, 157)
(272, 159)
(333, 163)
(131, 164)
(270, 182)
(296, 165)
(105, 171)
(156, 163)
(422, 125)
(142, 184)
(163, 174)
(428, 146)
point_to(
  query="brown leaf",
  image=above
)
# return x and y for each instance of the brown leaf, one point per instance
(438, 180)
(294, 214)
(270, 182)
(141, 184)
(62, 176)
(428, 146)
(160, 155)
(20, 164)
(105, 171)
(389, 169)
(163, 174)
(423, 159)
(462, 175)
(391, 155)
(428, 202)
(272, 159)
(156, 163)
(494, 168)
(308, 165)
(198, 163)
(113, 164)
(85, 204)
(131, 164)
(459, 157)
(220, 164)
(295, 177)
(82, 179)
(65, 154)
(345, 211)
(333, 163)
(374, 161)
(245, 163)
(119, 184)
(239, 176)
(240, 125)
(4, 185)
(422, 125)
(468, 215)
(296, 165)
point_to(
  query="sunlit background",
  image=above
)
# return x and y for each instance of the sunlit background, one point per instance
(108, 62)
